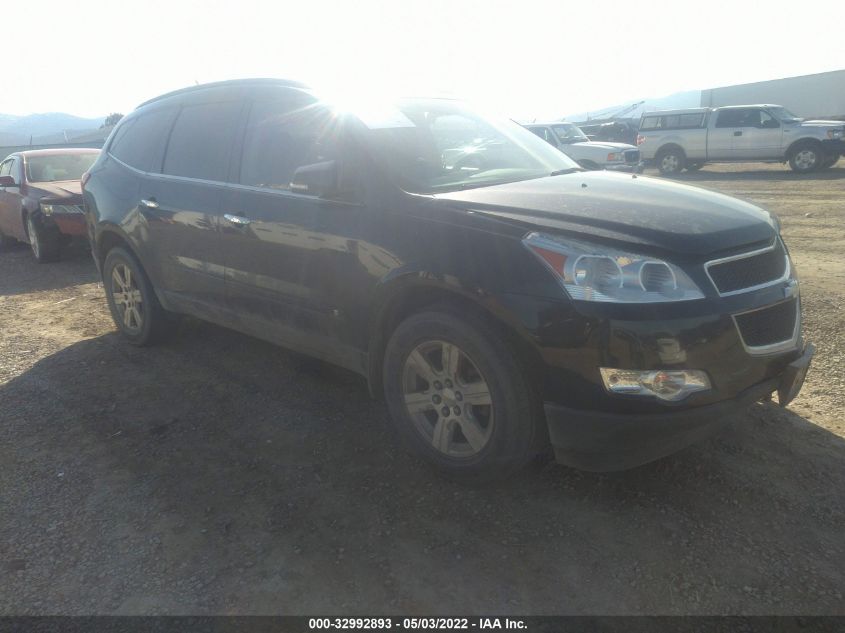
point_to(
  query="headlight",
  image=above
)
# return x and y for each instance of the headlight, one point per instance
(834, 134)
(614, 156)
(47, 209)
(595, 273)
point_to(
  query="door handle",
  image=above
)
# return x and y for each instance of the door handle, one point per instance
(150, 204)
(237, 220)
(738, 133)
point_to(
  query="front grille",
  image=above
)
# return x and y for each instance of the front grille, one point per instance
(768, 326)
(749, 271)
(632, 156)
(67, 208)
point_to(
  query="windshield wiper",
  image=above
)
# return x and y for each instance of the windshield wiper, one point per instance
(568, 170)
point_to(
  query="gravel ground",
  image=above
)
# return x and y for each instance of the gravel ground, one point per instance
(216, 474)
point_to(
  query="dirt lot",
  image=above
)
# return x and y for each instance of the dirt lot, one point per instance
(216, 474)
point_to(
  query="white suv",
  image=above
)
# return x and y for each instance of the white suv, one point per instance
(570, 140)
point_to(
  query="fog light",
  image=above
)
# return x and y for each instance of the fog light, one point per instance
(666, 384)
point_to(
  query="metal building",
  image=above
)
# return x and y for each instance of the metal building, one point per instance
(818, 96)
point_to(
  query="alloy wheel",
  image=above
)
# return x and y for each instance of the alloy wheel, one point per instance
(448, 399)
(805, 159)
(127, 297)
(670, 163)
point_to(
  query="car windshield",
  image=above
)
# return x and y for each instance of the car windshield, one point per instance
(569, 133)
(782, 114)
(53, 167)
(437, 145)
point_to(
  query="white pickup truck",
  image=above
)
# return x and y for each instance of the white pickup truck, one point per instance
(570, 140)
(677, 139)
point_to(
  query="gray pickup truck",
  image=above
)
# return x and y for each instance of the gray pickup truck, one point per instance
(674, 140)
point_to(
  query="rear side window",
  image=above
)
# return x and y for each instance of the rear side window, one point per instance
(673, 121)
(140, 140)
(201, 141)
(283, 135)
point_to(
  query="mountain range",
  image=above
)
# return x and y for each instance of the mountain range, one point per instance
(48, 127)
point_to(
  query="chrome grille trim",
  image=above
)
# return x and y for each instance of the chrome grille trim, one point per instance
(715, 262)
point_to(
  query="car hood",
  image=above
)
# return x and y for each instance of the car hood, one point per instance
(602, 145)
(66, 189)
(637, 210)
(821, 123)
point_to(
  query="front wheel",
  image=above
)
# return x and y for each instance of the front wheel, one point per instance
(459, 397)
(44, 244)
(806, 158)
(132, 301)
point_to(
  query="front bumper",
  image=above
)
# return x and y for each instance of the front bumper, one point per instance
(72, 224)
(634, 168)
(601, 441)
(834, 146)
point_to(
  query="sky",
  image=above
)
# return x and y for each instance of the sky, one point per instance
(525, 59)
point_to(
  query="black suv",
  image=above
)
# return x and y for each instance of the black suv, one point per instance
(498, 296)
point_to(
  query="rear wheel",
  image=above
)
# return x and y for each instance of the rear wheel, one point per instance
(459, 396)
(806, 158)
(44, 244)
(132, 301)
(671, 161)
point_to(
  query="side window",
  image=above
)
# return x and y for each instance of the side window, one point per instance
(691, 120)
(283, 135)
(15, 169)
(731, 118)
(650, 123)
(201, 141)
(751, 118)
(139, 141)
(6, 167)
(768, 121)
(545, 134)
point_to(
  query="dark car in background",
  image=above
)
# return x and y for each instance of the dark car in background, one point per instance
(498, 296)
(41, 199)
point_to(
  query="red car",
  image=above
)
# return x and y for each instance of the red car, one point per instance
(41, 199)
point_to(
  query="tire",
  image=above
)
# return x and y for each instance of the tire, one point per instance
(694, 166)
(671, 161)
(471, 442)
(147, 322)
(43, 243)
(806, 157)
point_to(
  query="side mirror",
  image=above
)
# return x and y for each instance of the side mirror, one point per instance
(7, 181)
(317, 179)
(770, 124)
